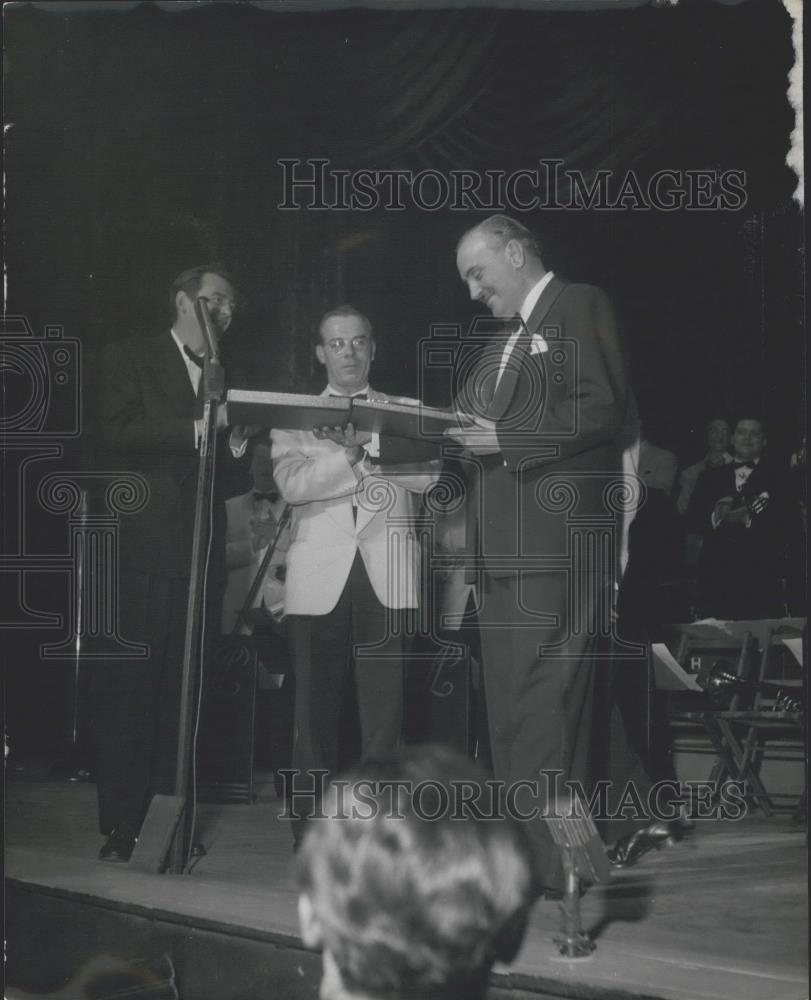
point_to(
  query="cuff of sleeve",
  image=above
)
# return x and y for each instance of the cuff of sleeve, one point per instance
(373, 447)
(237, 445)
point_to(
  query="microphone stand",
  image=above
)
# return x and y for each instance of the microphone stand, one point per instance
(212, 390)
(72, 764)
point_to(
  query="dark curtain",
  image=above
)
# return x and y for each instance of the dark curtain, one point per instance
(145, 138)
(140, 140)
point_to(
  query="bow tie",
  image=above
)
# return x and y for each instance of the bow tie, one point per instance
(271, 497)
(743, 465)
(196, 359)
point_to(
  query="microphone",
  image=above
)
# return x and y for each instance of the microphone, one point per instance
(203, 318)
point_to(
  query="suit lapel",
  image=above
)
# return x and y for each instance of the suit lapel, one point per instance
(505, 386)
(366, 510)
(758, 478)
(171, 375)
(505, 390)
(549, 296)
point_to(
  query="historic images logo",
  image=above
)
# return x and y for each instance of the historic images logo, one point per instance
(316, 185)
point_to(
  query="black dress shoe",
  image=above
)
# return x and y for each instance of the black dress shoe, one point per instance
(628, 850)
(118, 846)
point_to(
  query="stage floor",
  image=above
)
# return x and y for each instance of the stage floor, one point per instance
(723, 915)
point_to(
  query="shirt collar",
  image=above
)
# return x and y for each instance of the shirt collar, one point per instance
(534, 294)
(179, 342)
(332, 391)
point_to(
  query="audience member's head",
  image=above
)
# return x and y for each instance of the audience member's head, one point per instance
(408, 892)
(717, 435)
(748, 438)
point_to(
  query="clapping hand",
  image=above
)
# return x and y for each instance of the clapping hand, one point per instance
(758, 504)
(724, 512)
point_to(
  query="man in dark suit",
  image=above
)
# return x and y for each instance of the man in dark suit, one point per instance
(150, 423)
(740, 511)
(554, 414)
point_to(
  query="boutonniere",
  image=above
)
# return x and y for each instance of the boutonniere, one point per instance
(538, 345)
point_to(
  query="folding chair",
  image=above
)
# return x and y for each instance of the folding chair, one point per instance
(759, 709)
(735, 666)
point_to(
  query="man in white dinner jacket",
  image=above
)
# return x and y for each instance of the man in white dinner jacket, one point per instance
(352, 566)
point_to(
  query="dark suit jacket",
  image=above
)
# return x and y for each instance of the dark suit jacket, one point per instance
(563, 418)
(147, 409)
(740, 567)
(713, 484)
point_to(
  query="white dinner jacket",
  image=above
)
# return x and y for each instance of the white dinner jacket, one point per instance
(317, 479)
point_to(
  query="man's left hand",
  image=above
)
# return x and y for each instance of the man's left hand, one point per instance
(346, 437)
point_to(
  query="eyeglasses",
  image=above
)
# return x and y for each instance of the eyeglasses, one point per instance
(339, 345)
(219, 301)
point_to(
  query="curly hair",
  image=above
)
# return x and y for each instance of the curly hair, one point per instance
(414, 900)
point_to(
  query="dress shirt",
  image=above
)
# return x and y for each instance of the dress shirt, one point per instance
(195, 372)
(237, 447)
(525, 312)
(743, 472)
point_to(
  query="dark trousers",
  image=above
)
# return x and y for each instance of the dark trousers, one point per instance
(360, 631)
(617, 756)
(138, 701)
(539, 700)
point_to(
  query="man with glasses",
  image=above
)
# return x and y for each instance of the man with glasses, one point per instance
(149, 422)
(352, 567)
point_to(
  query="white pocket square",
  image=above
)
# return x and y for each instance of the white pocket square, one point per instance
(538, 344)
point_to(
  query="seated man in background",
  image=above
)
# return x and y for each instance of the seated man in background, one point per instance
(252, 521)
(740, 509)
(253, 518)
(716, 436)
(406, 906)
